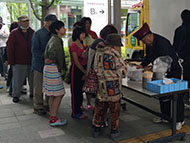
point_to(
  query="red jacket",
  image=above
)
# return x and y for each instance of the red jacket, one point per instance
(93, 34)
(19, 47)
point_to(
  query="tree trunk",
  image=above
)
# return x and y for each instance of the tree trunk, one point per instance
(44, 11)
(19, 9)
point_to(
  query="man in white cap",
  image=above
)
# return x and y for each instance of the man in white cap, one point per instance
(39, 42)
(20, 56)
(4, 33)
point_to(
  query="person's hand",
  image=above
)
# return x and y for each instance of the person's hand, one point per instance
(139, 67)
(48, 61)
(84, 76)
(85, 53)
(147, 68)
(6, 63)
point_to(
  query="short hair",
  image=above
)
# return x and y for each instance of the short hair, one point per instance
(56, 26)
(89, 20)
(84, 19)
(50, 17)
(76, 33)
(185, 15)
(79, 24)
(108, 29)
(13, 26)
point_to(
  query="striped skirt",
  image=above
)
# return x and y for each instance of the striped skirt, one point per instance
(52, 81)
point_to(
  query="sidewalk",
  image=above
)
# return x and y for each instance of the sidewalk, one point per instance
(18, 123)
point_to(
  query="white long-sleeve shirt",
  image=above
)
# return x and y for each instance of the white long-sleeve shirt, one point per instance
(4, 33)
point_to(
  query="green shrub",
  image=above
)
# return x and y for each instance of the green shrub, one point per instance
(67, 72)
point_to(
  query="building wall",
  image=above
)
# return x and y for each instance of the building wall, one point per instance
(165, 16)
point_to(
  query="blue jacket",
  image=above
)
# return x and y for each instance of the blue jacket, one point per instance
(39, 42)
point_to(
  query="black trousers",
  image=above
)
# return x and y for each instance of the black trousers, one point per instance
(165, 102)
(76, 90)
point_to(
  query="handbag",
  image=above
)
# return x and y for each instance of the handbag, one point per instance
(91, 83)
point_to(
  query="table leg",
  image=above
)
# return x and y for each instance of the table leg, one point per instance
(174, 114)
(174, 136)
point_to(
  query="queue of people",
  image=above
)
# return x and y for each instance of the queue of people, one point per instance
(39, 57)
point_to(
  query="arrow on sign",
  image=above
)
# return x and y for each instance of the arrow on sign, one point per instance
(102, 11)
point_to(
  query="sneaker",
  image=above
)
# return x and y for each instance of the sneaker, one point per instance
(40, 111)
(97, 132)
(179, 125)
(159, 120)
(59, 122)
(114, 134)
(15, 99)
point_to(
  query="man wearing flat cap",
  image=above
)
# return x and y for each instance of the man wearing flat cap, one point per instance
(39, 42)
(20, 56)
(4, 33)
(157, 46)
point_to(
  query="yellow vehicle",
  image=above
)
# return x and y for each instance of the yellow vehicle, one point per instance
(136, 17)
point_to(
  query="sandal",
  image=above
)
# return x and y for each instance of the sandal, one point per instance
(90, 107)
(80, 116)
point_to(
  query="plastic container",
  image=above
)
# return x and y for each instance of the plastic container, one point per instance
(144, 82)
(135, 75)
(158, 86)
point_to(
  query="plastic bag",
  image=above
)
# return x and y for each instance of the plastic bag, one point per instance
(162, 64)
(134, 74)
(167, 81)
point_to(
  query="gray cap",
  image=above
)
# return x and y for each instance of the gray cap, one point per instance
(1, 21)
(23, 18)
(50, 17)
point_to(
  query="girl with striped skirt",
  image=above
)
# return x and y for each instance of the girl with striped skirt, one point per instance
(54, 64)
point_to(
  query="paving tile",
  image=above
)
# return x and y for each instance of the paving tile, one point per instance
(8, 120)
(6, 113)
(9, 126)
(51, 133)
(27, 117)
(28, 111)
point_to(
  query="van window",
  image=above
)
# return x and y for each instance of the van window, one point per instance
(132, 22)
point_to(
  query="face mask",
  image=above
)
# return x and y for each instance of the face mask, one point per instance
(24, 27)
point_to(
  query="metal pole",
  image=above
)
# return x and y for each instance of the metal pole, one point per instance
(117, 15)
(109, 11)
